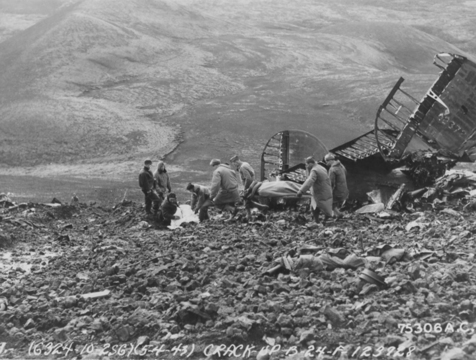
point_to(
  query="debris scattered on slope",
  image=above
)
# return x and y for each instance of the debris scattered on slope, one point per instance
(83, 274)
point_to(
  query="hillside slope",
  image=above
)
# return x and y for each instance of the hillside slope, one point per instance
(103, 80)
(81, 83)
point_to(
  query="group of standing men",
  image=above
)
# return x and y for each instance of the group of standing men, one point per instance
(328, 188)
(154, 186)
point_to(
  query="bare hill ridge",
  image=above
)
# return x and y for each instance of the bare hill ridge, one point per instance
(393, 46)
(113, 79)
(80, 85)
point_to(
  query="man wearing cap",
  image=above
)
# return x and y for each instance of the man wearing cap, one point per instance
(224, 187)
(319, 183)
(147, 185)
(338, 177)
(245, 170)
(198, 202)
(168, 208)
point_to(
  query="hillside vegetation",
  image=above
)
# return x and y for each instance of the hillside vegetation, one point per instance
(101, 80)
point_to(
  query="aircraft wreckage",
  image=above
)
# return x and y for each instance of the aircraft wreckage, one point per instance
(443, 123)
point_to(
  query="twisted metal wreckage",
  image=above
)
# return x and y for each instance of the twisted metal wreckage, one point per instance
(442, 125)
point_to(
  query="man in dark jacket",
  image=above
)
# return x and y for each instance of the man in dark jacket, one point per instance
(168, 208)
(147, 185)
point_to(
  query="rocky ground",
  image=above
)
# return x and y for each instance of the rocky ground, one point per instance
(88, 282)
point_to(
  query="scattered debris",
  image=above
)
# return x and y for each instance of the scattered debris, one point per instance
(371, 209)
(81, 273)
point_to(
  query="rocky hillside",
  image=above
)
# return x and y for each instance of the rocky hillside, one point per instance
(95, 282)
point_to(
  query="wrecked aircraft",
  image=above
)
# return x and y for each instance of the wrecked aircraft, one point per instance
(283, 155)
(286, 149)
(443, 121)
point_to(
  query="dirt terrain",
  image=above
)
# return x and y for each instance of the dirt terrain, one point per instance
(83, 281)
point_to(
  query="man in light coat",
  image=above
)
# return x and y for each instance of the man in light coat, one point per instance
(338, 177)
(319, 183)
(245, 170)
(200, 200)
(162, 180)
(224, 187)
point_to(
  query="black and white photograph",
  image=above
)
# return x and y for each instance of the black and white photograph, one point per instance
(238, 179)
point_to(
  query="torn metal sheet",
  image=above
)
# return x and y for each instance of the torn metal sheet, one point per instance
(395, 197)
(444, 119)
(371, 208)
(360, 148)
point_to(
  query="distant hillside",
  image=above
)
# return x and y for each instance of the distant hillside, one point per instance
(391, 46)
(81, 83)
(101, 80)
(18, 15)
(30, 6)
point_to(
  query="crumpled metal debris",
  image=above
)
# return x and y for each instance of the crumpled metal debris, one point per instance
(287, 283)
